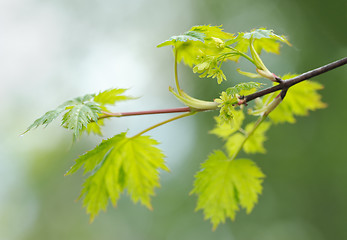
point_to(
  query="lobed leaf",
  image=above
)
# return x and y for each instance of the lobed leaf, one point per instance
(262, 33)
(116, 164)
(223, 186)
(200, 44)
(49, 116)
(264, 39)
(81, 113)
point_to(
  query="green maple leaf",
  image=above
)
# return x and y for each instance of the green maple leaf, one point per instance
(196, 44)
(223, 186)
(261, 33)
(81, 113)
(187, 46)
(49, 116)
(264, 39)
(117, 164)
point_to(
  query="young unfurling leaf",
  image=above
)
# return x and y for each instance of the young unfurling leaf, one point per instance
(230, 97)
(81, 113)
(223, 186)
(244, 88)
(117, 164)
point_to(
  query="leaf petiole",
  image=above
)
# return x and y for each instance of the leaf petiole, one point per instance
(242, 54)
(164, 122)
(176, 73)
(248, 135)
(195, 104)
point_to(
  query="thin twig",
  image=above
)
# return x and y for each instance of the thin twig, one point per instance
(159, 111)
(295, 80)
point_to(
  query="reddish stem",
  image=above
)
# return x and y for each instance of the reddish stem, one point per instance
(160, 111)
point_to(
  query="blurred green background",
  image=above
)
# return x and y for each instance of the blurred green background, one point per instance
(51, 51)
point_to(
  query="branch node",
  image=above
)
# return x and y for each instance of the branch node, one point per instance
(242, 100)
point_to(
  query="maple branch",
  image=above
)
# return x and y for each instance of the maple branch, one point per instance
(283, 85)
(295, 80)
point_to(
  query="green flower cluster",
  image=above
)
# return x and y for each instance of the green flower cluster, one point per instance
(226, 105)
